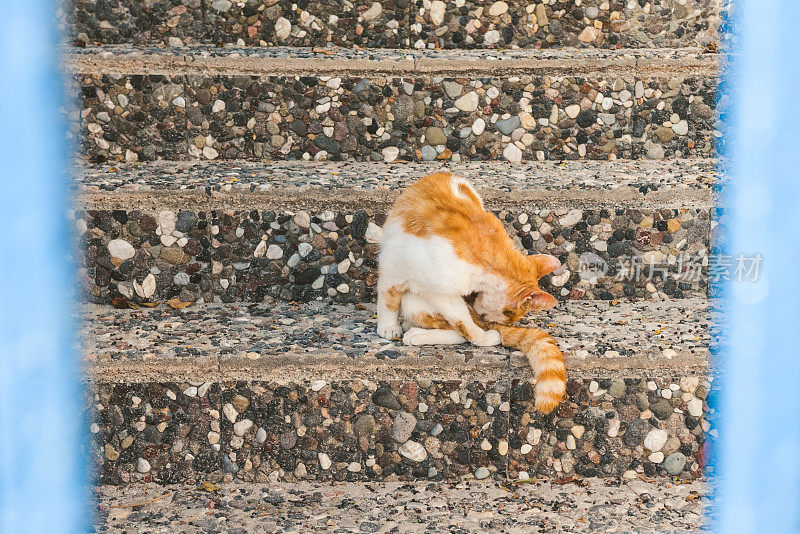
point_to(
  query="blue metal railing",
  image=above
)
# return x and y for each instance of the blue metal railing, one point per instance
(758, 458)
(42, 472)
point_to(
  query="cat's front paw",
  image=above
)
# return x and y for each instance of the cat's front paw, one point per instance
(390, 331)
(490, 338)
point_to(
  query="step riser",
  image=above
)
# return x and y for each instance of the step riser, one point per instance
(402, 24)
(188, 439)
(227, 254)
(410, 117)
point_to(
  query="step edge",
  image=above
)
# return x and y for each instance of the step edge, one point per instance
(627, 62)
(286, 369)
(348, 198)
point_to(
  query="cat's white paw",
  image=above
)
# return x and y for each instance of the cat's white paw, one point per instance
(412, 337)
(416, 336)
(390, 331)
(490, 339)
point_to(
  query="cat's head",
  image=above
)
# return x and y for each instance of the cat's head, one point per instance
(521, 293)
(524, 295)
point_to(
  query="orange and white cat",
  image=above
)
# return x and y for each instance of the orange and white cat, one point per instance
(449, 273)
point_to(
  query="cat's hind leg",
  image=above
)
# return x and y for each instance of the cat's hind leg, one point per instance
(446, 312)
(423, 325)
(432, 336)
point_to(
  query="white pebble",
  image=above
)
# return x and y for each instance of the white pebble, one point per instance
(438, 9)
(512, 153)
(390, 153)
(304, 249)
(373, 12)
(491, 37)
(498, 8)
(571, 219)
(655, 439)
(695, 407)
(242, 426)
(121, 249)
(468, 102)
(413, 451)
(373, 233)
(282, 28)
(142, 465)
(209, 152)
(613, 428)
(260, 250)
(324, 461)
(230, 412)
(681, 128)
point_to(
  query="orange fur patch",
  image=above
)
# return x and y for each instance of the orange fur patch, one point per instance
(437, 321)
(393, 296)
(559, 375)
(461, 329)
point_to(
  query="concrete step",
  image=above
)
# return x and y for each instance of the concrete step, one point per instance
(241, 231)
(591, 506)
(399, 23)
(284, 392)
(138, 104)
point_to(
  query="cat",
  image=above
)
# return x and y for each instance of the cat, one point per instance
(448, 273)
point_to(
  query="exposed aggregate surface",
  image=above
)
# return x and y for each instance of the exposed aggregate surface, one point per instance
(592, 506)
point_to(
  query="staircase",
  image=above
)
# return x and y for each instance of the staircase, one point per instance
(236, 163)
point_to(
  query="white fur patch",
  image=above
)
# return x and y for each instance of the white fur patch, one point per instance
(427, 265)
(456, 182)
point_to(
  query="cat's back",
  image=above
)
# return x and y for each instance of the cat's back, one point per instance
(437, 201)
(428, 231)
(441, 189)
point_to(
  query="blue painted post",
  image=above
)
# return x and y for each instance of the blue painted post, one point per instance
(42, 480)
(758, 461)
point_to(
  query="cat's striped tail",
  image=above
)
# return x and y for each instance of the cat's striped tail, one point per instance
(545, 358)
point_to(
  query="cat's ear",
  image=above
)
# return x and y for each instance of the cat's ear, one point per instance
(540, 300)
(545, 263)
